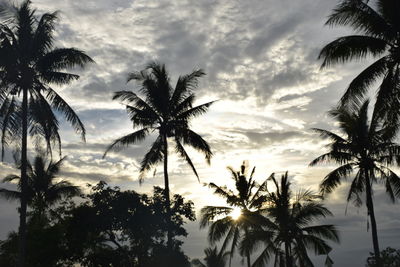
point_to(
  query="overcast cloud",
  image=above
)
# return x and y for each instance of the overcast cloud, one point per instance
(260, 57)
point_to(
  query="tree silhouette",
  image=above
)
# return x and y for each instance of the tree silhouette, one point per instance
(42, 189)
(367, 148)
(377, 34)
(390, 257)
(126, 227)
(213, 258)
(28, 64)
(167, 112)
(222, 224)
(289, 228)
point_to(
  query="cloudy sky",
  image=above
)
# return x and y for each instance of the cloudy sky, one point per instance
(260, 57)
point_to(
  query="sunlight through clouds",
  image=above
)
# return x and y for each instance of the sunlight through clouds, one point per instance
(261, 63)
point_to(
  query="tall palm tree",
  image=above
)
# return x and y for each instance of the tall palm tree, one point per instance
(247, 198)
(166, 111)
(213, 258)
(289, 228)
(377, 31)
(367, 148)
(29, 63)
(42, 189)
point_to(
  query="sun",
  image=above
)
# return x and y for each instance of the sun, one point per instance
(235, 214)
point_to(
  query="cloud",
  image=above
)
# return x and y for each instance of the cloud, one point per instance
(261, 62)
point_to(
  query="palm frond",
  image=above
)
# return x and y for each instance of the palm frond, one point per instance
(359, 85)
(209, 213)
(357, 186)
(127, 140)
(219, 229)
(43, 122)
(391, 181)
(10, 121)
(43, 37)
(63, 58)
(223, 192)
(353, 47)
(198, 263)
(309, 212)
(194, 112)
(59, 78)
(234, 238)
(326, 231)
(185, 85)
(142, 117)
(319, 245)
(333, 156)
(387, 100)
(60, 190)
(54, 167)
(361, 17)
(9, 194)
(190, 138)
(182, 152)
(10, 178)
(135, 101)
(334, 178)
(57, 102)
(155, 86)
(152, 157)
(265, 256)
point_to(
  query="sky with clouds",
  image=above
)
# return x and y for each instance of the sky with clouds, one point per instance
(260, 57)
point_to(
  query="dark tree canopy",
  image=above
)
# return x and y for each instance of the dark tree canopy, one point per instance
(390, 257)
(110, 228)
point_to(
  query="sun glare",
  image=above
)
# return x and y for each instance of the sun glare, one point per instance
(235, 214)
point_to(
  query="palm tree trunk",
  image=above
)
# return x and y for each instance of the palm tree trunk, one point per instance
(288, 255)
(22, 215)
(167, 199)
(248, 259)
(371, 213)
(246, 232)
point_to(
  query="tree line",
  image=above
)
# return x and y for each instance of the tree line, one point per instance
(281, 222)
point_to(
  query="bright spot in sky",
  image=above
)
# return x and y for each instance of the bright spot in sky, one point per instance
(235, 214)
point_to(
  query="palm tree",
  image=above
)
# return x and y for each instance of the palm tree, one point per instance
(377, 35)
(28, 64)
(221, 219)
(167, 112)
(213, 258)
(366, 148)
(42, 189)
(289, 228)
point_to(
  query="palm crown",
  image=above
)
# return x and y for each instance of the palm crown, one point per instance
(42, 191)
(288, 229)
(248, 198)
(367, 147)
(378, 36)
(213, 258)
(164, 110)
(28, 60)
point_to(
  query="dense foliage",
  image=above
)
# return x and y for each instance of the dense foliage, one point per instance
(390, 257)
(109, 228)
